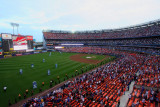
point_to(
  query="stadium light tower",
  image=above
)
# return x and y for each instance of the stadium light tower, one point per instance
(15, 25)
(12, 24)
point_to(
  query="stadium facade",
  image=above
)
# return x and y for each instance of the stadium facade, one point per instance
(143, 38)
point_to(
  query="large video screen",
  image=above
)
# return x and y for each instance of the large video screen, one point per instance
(19, 43)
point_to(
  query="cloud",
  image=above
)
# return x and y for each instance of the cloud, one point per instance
(57, 27)
(5, 25)
(104, 11)
(88, 12)
(77, 14)
(40, 27)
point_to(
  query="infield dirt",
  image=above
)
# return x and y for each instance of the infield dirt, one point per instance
(78, 58)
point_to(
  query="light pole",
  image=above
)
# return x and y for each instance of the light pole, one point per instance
(17, 28)
(12, 24)
(15, 25)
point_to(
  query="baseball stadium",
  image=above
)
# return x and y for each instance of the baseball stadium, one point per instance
(107, 67)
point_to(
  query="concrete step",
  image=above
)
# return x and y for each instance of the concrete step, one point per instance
(124, 98)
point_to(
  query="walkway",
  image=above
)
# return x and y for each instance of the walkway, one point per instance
(124, 98)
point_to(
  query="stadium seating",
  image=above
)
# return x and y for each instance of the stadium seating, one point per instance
(143, 98)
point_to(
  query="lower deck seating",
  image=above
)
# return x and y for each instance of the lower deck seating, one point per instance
(143, 97)
(105, 85)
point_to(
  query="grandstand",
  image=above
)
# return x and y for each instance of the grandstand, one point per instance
(143, 38)
(39, 45)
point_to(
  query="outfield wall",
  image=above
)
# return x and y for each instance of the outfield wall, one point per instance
(25, 53)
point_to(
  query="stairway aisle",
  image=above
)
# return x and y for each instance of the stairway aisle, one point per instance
(124, 98)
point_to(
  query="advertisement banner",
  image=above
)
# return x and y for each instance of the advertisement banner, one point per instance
(29, 37)
(11, 49)
(44, 51)
(6, 36)
(0, 42)
(7, 56)
(22, 47)
(36, 52)
(0, 51)
(18, 54)
(34, 42)
(26, 53)
(19, 43)
(49, 44)
(29, 50)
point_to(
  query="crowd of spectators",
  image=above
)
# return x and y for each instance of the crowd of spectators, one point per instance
(104, 85)
(148, 78)
(145, 38)
(144, 97)
(112, 49)
(146, 45)
(147, 50)
(140, 41)
(142, 31)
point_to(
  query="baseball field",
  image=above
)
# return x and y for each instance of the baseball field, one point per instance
(17, 83)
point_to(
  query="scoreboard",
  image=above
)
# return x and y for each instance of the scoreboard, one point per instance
(9, 42)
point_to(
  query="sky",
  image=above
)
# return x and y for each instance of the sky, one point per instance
(33, 16)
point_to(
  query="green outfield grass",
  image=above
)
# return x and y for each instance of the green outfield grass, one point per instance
(17, 84)
(94, 57)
